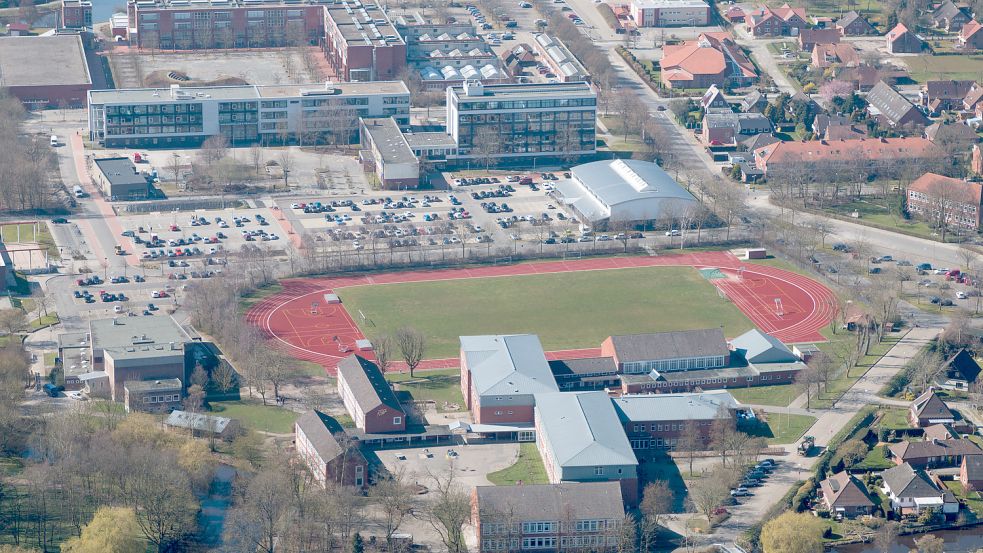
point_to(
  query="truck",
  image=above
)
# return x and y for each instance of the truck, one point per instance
(806, 445)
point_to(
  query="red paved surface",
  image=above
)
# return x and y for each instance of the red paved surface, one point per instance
(328, 335)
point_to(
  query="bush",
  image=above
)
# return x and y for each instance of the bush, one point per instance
(802, 495)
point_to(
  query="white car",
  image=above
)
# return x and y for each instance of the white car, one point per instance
(212, 251)
(672, 232)
(961, 295)
(117, 309)
(154, 294)
(223, 224)
(294, 206)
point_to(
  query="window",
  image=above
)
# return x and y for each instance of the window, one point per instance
(182, 15)
(397, 420)
(598, 471)
(538, 527)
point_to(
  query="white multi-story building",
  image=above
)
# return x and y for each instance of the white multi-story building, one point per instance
(670, 13)
(513, 122)
(179, 116)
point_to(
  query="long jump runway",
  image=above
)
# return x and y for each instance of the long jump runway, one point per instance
(790, 306)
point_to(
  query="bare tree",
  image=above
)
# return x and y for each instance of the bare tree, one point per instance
(256, 156)
(214, 149)
(657, 502)
(286, 165)
(412, 345)
(448, 512)
(384, 347)
(395, 499)
(710, 491)
(263, 513)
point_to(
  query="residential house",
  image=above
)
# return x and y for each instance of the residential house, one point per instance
(809, 38)
(659, 421)
(821, 21)
(893, 110)
(910, 490)
(843, 494)
(726, 128)
(585, 373)
(799, 103)
(841, 54)
(939, 96)
(713, 98)
(734, 15)
(756, 141)
(325, 457)
(864, 77)
(959, 372)
(950, 136)
(500, 376)
(569, 516)
(713, 58)
(774, 22)
(835, 127)
(929, 409)
(854, 24)
(902, 41)
(580, 438)
(152, 396)
(971, 472)
(950, 17)
(875, 157)
(939, 432)
(755, 101)
(368, 397)
(973, 97)
(930, 454)
(962, 203)
(970, 36)
(201, 424)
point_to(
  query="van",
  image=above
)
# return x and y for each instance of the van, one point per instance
(54, 141)
(79, 193)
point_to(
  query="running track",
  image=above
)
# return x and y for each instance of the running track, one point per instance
(328, 335)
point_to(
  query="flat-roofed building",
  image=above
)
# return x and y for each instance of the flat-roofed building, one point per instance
(182, 116)
(367, 396)
(152, 396)
(501, 375)
(119, 179)
(138, 349)
(386, 152)
(515, 123)
(580, 438)
(554, 517)
(447, 53)
(201, 424)
(660, 421)
(361, 43)
(45, 71)
(670, 13)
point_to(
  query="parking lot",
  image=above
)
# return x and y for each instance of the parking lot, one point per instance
(470, 463)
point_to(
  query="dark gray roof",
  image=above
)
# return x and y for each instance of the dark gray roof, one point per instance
(889, 103)
(848, 18)
(753, 99)
(911, 451)
(670, 345)
(319, 429)
(947, 11)
(153, 385)
(844, 490)
(120, 171)
(962, 366)
(760, 141)
(551, 502)
(974, 467)
(929, 405)
(905, 481)
(198, 421)
(367, 383)
(584, 365)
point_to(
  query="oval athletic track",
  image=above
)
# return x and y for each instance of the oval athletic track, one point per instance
(329, 334)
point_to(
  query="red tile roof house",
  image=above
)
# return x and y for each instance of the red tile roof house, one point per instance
(809, 38)
(777, 22)
(842, 54)
(902, 41)
(964, 203)
(971, 36)
(735, 14)
(328, 461)
(843, 494)
(713, 58)
(930, 454)
(877, 156)
(973, 97)
(971, 472)
(368, 397)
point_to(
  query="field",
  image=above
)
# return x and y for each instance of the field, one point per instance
(781, 428)
(443, 387)
(528, 469)
(568, 310)
(928, 67)
(256, 416)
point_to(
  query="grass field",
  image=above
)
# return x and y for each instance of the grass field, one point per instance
(567, 310)
(778, 396)
(528, 469)
(782, 428)
(28, 235)
(441, 387)
(929, 67)
(256, 416)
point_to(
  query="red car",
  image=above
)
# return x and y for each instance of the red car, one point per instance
(174, 227)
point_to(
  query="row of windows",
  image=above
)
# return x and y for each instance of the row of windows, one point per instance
(151, 119)
(153, 108)
(704, 381)
(664, 365)
(165, 129)
(531, 116)
(527, 104)
(667, 427)
(668, 443)
(162, 399)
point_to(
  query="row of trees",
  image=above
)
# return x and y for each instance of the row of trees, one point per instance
(27, 181)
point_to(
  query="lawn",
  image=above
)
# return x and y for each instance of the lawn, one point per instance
(778, 396)
(528, 469)
(27, 234)
(255, 297)
(50, 319)
(928, 67)
(882, 212)
(894, 419)
(781, 428)
(255, 415)
(875, 460)
(443, 387)
(554, 306)
(972, 499)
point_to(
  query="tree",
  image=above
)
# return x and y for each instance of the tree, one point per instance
(286, 164)
(690, 443)
(358, 545)
(721, 432)
(223, 377)
(161, 495)
(852, 452)
(793, 533)
(112, 530)
(448, 512)
(199, 376)
(256, 157)
(487, 145)
(262, 514)
(412, 345)
(657, 502)
(383, 347)
(395, 499)
(929, 544)
(13, 320)
(214, 149)
(709, 492)
(886, 537)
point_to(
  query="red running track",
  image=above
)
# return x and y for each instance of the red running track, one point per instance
(804, 306)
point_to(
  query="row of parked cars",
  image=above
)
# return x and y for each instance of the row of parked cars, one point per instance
(753, 477)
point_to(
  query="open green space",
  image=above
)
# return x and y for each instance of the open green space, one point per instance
(47, 320)
(972, 499)
(567, 310)
(872, 10)
(443, 387)
(883, 212)
(894, 419)
(778, 396)
(780, 428)
(528, 469)
(929, 67)
(257, 296)
(876, 459)
(29, 234)
(256, 416)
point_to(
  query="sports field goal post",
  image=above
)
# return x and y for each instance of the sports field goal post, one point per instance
(364, 319)
(503, 260)
(572, 255)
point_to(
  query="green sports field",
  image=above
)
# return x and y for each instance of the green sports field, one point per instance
(567, 310)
